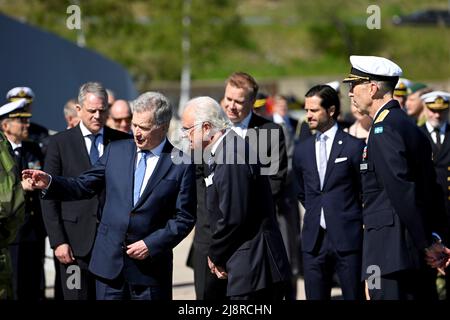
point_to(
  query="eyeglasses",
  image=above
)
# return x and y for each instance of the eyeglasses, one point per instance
(186, 131)
(353, 84)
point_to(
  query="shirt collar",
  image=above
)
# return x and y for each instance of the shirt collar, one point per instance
(244, 123)
(156, 151)
(14, 146)
(278, 118)
(85, 131)
(330, 133)
(379, 110)
(216, 144)
(430, 128)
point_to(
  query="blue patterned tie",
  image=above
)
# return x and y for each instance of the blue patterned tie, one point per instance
(93, 152)
(139, 175)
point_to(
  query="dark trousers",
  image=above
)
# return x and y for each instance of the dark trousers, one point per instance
(276, 292)
(77, 282)
(320, 265)
(120, 289)
(28, 279)
(406, 285)
(207, 285)
(288, 218)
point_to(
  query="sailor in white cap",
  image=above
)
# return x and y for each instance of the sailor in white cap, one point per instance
(20, 93)
(37, 133)
(27, 249)
(401, 206)
(437, 103)
(401, 91)
(437, 129)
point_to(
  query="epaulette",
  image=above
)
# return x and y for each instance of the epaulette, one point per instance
(381, 116)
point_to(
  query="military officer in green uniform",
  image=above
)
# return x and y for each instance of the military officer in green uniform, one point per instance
(12, 210)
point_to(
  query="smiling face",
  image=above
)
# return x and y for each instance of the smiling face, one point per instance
(236, 104)
(93, 112)
(147, 134)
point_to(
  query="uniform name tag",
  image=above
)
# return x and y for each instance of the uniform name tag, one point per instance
(363, 167)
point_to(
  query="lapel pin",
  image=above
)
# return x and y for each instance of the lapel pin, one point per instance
(340, 142)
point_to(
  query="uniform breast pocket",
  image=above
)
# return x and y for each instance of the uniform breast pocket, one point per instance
(368, 177)
(378, 219)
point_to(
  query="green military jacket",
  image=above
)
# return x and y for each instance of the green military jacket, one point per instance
(12, 211)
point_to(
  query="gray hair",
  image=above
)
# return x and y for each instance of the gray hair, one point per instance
(155, 102)
(96, 89)
(69, 108)
(208, 110)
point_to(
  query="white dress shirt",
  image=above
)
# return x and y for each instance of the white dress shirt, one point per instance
(152, 161)
(330, 133)
(87, 141)
(442, 129)
(241, 127)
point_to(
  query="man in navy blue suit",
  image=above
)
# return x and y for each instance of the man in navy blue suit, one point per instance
(327, 169)
(149, 206)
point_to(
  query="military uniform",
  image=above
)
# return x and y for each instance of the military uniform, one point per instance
(11, 213)
(437, 101)
(401, 203)
(37, 133)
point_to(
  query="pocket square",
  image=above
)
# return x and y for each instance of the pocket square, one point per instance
(209, 180)
(340, 159)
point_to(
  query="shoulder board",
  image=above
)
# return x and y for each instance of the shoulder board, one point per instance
(381, 116)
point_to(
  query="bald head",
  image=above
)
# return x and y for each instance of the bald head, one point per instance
(120, 116)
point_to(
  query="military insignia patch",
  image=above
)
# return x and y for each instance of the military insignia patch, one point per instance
(378, 130)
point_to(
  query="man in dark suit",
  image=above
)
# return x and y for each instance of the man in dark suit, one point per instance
(402, 205)
(246, 245)
(327, 169)
(288, 213)
(437, 129)
(240, 94)
(149, 205)
(71, 226)
(27, 250)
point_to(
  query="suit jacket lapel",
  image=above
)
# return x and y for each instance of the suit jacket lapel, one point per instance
(163, 165)
(338, 144)
(131, 155)
(445, 145)
(79, 144)
(311, 149)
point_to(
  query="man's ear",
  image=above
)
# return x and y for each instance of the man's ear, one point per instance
(332, 111)
(78, 107)
(4, 125)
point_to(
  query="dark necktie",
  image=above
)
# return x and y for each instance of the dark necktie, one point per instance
(18, 158)
(438, 138)
(93, 152)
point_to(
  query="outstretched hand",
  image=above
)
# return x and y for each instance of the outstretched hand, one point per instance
(37, 179)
